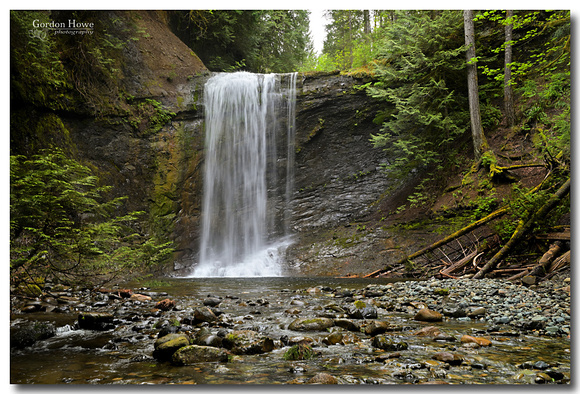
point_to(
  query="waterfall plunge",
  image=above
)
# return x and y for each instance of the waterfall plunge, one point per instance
(244, 216)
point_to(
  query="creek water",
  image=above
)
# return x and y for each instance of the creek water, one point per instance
(123, 355)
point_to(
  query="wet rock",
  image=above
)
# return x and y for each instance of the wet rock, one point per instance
(347, 324)
(212, 301)
(323, 378)
(139, 297)
(541, 365)
(206, 338)
(376, 327)
(168, 329)
(476, 313)
(479, 341)
(165, 305)
(358, 311)
(449, 358)
(389, 344)
(30, 333)
(429, 331)
(247, 342)
(296, 340)
(204, 314)
(167, 345)
(99, 321)
(311, 324)
(428, 315)
(454, 312)
(556, 375)
(293, 311)
(193, 354)
(333, 339)
(300, 351)
(542, 377)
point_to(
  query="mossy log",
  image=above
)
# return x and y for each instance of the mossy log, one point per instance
(523, 228)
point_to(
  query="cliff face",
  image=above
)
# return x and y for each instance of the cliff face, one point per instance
(159, 171)
(141, 132)
(340, 181)
(149, 147)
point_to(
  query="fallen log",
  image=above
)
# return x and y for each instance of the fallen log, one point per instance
(518, 276)
(498, 213)
(560, 262)
(460, 264)
(523, 228)
(542, 267)
(447, 239)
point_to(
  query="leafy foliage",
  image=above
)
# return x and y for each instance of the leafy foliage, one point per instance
(37, 73)
(63, 227)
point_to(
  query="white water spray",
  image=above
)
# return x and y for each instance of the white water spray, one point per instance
(244, 223)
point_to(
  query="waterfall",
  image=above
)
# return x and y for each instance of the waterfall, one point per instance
(248, 175)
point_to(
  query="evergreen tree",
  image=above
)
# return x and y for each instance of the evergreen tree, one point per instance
(421, 72)
(64, 228)
(252, 40)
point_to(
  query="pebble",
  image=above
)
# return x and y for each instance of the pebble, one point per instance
(543, 309)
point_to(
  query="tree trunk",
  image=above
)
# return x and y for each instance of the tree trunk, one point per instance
(508, 94)
(546, 259)
(367, 23)
(479, 142)
(522, 229)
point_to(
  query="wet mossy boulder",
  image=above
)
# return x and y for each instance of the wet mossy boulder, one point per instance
(167, 345)
(311, 324)
(193, 354)
(390, 344)
(248, 342)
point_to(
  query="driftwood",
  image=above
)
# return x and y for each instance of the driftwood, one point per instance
(546, 260)
(458, 265)
(523, 228)
(445, 240)
(560, 262)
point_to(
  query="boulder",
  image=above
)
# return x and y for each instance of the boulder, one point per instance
(165, 305)
(428, 315)
(333, 339)
(389, 344)
(479, 341)
(193, 354)
(204, 314)
(247, 342)
(366, 312)
(212, 301)
(167, 345)
(139, 297)
(28, 334)
(323, 378)
(347, 324)
(376, 328)
(311, 324)
(98, 321)
(448, 357)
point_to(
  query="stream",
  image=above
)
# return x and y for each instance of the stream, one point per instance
(123, 354)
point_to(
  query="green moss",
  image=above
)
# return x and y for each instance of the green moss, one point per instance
(301, 351)
(360, 304)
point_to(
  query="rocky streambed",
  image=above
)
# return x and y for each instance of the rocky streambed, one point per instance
(295, 331)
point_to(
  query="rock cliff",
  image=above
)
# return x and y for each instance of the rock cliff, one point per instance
(146, 139)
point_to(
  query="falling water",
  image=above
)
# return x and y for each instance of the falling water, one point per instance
(244, 220)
